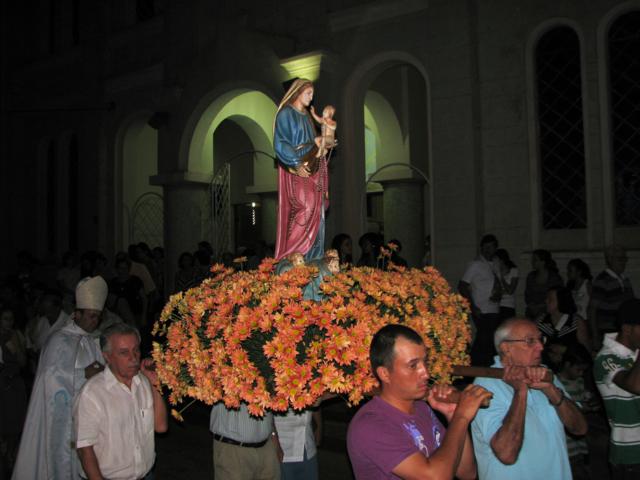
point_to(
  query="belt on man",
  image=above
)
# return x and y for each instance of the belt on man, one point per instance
(231, 441)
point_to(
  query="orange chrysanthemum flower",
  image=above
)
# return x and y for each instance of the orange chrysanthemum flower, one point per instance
(252, 337)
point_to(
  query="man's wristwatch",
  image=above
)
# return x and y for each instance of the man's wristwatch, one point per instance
(559, 402)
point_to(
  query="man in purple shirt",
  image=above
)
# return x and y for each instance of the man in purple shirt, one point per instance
(396, 434)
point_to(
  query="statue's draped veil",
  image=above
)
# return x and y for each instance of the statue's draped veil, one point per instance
(297, 87)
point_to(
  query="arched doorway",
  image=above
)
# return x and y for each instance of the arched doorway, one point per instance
(387, 96)
(235, 133)
(138, 203)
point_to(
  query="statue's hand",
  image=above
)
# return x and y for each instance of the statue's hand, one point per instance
(303, 171)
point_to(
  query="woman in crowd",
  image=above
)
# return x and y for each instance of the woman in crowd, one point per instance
(343, 244)
(186, 275)
(543, 277)
(395, 246)
(561, 321)
(369, 244)
(508, 277)
(579, 282)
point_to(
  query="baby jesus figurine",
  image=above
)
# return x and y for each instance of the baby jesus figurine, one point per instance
(292, 260)
(296, 259)
(332, 260)
(328, 127)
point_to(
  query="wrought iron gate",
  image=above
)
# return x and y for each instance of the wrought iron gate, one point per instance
(147, 220)
(221, 212)
(222, 227)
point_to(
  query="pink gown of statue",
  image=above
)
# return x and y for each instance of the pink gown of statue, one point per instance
(301, 201)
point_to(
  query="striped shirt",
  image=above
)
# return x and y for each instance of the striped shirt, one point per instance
(239, 425)
(623, 408)
(566, 329)
(608, 292)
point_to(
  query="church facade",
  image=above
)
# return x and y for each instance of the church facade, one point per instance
(152, 121)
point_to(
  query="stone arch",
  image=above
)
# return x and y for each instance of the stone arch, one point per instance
(258, 139)
(381, 120)
(357, 89)
(227, 128)
(136, 161)
(252, 103)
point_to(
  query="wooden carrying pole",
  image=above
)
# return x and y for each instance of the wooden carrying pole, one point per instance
(487, 372)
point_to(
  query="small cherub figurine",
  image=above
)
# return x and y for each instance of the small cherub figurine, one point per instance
(296, 259)
(293, 260)
(332, 260)
(327, 139)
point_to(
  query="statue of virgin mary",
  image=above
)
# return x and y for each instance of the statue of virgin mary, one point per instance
(303, 180)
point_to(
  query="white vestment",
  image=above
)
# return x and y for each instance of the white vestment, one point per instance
(39, 330)
(47, 450)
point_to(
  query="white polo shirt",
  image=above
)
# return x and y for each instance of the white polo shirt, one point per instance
(480, 274)
(118, 423)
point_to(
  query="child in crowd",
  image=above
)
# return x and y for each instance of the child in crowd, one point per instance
(553, 354)
(575, 362)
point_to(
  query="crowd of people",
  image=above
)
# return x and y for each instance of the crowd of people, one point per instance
(68, 430)
(582, 310)
(49, 348)
(90, 323)
(583, 330)
(62, 329)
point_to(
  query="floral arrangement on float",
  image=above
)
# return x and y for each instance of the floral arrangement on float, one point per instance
(278, 338)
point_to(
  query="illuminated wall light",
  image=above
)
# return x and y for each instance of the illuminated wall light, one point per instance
(304, 66)
(253, 214)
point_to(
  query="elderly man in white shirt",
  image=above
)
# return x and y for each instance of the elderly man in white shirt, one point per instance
(118, 410)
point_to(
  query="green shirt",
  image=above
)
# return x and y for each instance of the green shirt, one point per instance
(623, 408)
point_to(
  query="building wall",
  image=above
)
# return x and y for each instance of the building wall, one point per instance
(474, 57)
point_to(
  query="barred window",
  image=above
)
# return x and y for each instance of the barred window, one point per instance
(624, 75)
(561, 131)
